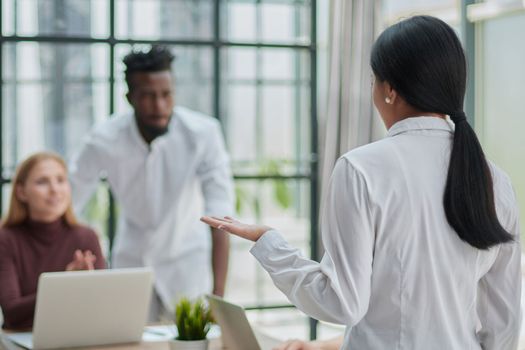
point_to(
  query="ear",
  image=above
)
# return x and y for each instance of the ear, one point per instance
(389, 92)
(21, 193)
(128, 97)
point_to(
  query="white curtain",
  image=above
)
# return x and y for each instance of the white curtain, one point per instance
(348, 119)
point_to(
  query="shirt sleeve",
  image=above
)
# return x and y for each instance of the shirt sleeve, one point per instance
(17, 308)
(338, 288)
(84, 174)
(499, 294)
(215, 175)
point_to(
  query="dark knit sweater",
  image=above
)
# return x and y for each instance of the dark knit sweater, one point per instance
(28, 250)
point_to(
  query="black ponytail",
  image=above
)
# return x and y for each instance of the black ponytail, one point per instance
(422, 59)
(469, 195)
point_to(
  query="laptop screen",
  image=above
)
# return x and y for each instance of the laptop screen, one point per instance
(84, 308)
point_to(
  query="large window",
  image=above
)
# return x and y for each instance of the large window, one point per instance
(500, 73)
(252, 64)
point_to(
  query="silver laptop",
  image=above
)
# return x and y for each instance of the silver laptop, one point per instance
(236, 332)
(85, 308)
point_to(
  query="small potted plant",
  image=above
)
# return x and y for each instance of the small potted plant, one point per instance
(193, 321)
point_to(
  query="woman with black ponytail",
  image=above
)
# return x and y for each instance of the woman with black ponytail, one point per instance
(420, 231)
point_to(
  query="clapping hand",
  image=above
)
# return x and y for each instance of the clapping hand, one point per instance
(250, 232)
(82, 261)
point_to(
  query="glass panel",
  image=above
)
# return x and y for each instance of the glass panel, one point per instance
(241, 124)
(287, 22)
(55, 17)
(405, 6)
(159, 19)
(193, 69)
(277, 121)
(500, 123)
(8, 17)
(265, 100)
(240, 64)
(275, 63)
(241, 21)
(278, 64)
(52, 94)
(447, 10)
(281, 204)
(268, 21)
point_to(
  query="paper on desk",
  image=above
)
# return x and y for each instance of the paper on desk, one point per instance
(150, 334)
(167, 332)
(24, 339)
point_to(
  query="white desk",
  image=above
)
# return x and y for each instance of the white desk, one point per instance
(267, 343)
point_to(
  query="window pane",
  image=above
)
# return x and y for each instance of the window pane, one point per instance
(500, 122)
(160, 19)
(52, 94)
(286, 22)
(241, 21)
(405, 6)
(448, 10)
(277, 120)
(241, 125)
(268, 21)
(266, 104)
(267, 65)
(281, 204)
(55, 17)
(240, 63)
(193, 68)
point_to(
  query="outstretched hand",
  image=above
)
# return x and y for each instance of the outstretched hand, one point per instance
(82, 261)
(228, 224)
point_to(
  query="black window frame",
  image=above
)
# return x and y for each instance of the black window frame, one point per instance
(217, 43)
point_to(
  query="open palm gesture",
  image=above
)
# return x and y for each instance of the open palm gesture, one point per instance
(228, 224)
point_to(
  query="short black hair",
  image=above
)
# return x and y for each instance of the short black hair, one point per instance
(158, 58)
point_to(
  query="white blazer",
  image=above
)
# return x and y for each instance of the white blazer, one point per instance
(394, 271)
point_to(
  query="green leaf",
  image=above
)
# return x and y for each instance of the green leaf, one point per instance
(240, 198)
(257, 207)
(282, 194)
(193, 320)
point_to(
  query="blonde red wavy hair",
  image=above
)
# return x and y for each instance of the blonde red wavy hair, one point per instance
(18, 211)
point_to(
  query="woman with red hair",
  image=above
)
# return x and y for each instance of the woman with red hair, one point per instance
(40, 234)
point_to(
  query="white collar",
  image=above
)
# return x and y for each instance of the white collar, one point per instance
(420, 123)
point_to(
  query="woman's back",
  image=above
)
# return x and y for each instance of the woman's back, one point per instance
(420, 232)
(427, 285)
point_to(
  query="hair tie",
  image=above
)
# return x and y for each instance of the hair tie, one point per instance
(458, 117)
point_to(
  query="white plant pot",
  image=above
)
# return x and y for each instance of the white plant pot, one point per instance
(189, 344)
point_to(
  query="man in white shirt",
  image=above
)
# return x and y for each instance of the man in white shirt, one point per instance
(166, 166)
